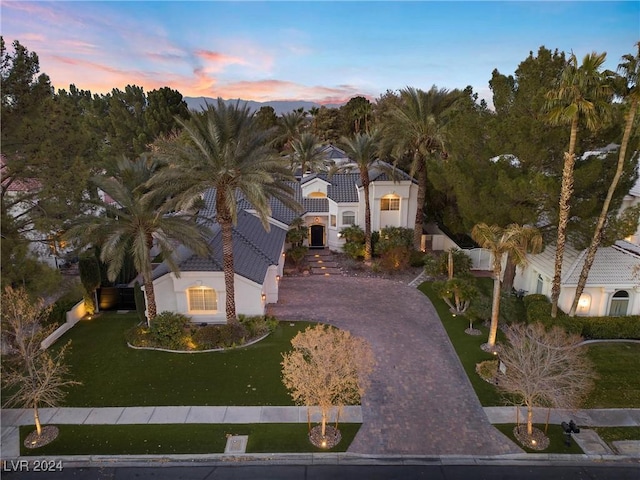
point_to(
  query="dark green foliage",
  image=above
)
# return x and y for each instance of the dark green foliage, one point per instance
(167, 329)
(258, 326)
(297, 233)
(58, 314)
(138, 296)
(438, 265)
(89, 268)
(610, 327)
(296, 254)
(416, 258)
(393, 237)
(354, 241)
(539, 310)
(220, 336)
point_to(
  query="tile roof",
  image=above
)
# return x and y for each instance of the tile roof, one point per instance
(544, 262)
(612, 266)
(254, 248)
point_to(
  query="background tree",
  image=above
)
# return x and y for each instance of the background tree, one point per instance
(416, 131)
(545, 369)
(224, 150)
(327, 368)
(308, 153)
(328, 124)
(36, 376)
(515, 240)
(134, 222)
(357, 111)
(266, 118)
(630, 70)
(582, 92)
(291, 125)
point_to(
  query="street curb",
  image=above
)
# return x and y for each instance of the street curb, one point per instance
(78, 461)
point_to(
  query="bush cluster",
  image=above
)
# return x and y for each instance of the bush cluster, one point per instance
(438, 265)
(594, 328)
(168, 330)
(219, 336)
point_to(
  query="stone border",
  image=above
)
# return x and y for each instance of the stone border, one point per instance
(248, 344)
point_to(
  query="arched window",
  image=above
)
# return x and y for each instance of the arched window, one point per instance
(619, 303)
(390, 202)
(317, 195)
(202, 299)
(348, 218)
(539, 283)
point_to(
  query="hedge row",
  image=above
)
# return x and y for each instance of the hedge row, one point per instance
(538, 309)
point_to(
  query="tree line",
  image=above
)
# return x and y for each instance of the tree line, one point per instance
(473, 164)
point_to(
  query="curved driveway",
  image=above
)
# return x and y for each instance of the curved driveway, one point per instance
(420, 401)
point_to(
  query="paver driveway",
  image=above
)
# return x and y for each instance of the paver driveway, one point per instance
(420, 400)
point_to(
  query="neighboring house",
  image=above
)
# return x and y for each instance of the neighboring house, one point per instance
(329, 204)
(613, 284)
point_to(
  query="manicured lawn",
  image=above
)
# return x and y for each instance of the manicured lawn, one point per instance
(177, 439)
(618, 366)
(556, 439)
(467, 347)
(114, 375)
(613, 434)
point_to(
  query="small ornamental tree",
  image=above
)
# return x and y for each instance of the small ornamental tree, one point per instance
(89, 269)
(36, 376)
(544, 368)
(328, 368)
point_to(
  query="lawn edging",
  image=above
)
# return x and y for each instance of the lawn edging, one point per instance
(158, 349)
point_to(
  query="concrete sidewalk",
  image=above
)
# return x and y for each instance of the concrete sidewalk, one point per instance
(11, 419)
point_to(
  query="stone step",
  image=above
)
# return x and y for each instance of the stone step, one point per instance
(319, 253)
(325, 271)
(322, 263)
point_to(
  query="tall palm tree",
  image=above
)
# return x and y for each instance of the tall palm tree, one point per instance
(363, 149)
(416, 129)
(134, 221)
(581, 93)
(630, 70)
(225, 150)
(308, 152)
(514, 240)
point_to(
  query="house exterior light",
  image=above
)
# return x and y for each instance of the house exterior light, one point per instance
(264, 297)
(584, 303)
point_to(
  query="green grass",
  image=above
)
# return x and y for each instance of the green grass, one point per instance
(180, 439)
(556, 439)
(467, 347)
(618, 385)
(114, 375)
(614, 434)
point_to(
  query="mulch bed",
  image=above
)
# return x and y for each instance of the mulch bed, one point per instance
(48, 435)
(331, 438)
(536, 441)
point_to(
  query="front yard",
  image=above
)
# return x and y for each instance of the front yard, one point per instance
(114, 375)
(617, 364)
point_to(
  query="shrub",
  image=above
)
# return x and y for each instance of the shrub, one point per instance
(138, 296)
(232, 334)
(353, 234)
(438, 265)
(354, 250)
(394, 237)
(396, 258)
(58, 314)
(258, 326)
(167, 329)
(296, 254)
(610, 327)
(416, 258)
(535, 297)
(207, 337)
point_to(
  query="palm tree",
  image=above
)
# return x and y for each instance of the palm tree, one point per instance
(313, 111)
(416, 129)
(291, 125)
(135, 221)
(225, 150)
(308, 153)
(630, 69)
(581, 93)
(514, 240)
(363, 149)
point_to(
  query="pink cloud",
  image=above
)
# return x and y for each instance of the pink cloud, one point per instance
(218, 57)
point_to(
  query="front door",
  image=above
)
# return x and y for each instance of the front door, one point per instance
(317, 236)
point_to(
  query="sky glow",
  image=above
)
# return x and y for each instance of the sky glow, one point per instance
(325, 52)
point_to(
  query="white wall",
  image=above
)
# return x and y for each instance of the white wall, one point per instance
(405, 217)
(171, 293)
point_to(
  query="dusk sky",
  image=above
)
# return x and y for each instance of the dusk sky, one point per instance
(325, 52)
